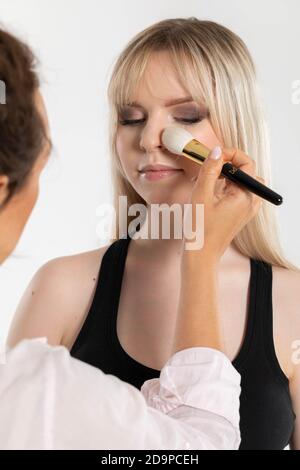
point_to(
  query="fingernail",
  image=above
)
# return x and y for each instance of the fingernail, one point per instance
(216, 153)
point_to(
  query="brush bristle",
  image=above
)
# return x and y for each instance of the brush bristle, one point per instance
(175, 139)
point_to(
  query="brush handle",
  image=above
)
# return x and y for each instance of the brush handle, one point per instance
(234, 174)
(243, 179)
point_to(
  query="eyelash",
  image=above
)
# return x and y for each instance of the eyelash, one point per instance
(132, 122)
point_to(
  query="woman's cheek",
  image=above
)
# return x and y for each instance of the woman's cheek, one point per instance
(121, 151)
(119, 144)
(207, 136)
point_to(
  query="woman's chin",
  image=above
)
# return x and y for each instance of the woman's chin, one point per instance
(168, 201)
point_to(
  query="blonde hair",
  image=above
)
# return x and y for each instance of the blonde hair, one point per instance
(216, 67)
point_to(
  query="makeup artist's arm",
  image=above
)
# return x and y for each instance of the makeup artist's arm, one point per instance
(225, 215)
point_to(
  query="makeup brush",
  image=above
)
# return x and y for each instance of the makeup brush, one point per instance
(179, 141)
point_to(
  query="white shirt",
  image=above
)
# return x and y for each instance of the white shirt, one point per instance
(49, 400)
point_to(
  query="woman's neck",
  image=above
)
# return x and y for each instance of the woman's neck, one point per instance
(168, 250)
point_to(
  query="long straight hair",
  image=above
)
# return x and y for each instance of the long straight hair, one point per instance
(216, 67)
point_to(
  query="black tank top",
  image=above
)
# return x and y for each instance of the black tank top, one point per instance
(266, 414)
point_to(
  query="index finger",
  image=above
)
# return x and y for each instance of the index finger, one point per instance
(239, 159)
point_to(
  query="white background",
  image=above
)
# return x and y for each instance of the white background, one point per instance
(77, 42)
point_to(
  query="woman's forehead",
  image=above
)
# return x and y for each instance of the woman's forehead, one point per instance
(158, 76)
(159, 81)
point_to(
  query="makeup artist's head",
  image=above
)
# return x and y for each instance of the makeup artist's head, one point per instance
(199, 75)
(24, 141)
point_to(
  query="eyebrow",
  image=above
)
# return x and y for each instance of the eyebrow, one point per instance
(172, 102)
(186, 99)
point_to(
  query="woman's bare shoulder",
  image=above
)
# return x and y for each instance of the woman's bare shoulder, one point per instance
(57, 298)
(80, 264)
(68, 274)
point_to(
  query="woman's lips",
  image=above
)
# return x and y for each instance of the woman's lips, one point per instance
(152, 175)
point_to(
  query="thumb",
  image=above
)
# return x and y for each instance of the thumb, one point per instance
(210, 172)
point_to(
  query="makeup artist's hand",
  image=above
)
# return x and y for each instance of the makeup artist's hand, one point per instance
(228, 210)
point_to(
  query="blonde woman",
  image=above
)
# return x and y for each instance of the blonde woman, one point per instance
(116, 307)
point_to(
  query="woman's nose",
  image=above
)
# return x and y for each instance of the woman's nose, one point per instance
(150, 139)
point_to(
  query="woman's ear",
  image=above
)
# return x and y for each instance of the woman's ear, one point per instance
(4, 182)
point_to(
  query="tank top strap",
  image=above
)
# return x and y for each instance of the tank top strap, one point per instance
(258, 341)
(114, 265)
(107, 293)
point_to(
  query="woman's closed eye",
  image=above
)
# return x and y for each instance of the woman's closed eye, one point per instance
(184, 120)
(189, 120)
(183, 113)
(189, 114)
(131, 122)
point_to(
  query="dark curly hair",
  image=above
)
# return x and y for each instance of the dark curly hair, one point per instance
(22, 132)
